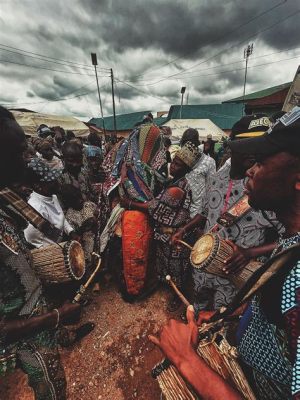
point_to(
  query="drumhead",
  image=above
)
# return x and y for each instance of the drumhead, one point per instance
(202, 249)
(76, 259)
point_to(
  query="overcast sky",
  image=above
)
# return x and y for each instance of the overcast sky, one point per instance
(154, 47)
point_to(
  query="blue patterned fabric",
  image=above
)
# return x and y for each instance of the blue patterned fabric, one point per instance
(261, 348)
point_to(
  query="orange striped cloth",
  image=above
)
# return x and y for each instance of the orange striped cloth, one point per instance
(136, 240)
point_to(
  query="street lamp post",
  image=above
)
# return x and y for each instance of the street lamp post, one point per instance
(182, 93)
(95, 63)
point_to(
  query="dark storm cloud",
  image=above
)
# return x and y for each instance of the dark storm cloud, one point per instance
(186, 29)
(137, 38)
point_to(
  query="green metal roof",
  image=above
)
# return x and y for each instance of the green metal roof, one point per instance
(160, 120)
(124, 121)
(261, 93)
(223, 115)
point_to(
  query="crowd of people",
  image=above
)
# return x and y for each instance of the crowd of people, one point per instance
(143, 211)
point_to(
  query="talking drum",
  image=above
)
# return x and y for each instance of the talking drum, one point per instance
(59, 263)
(210, 252)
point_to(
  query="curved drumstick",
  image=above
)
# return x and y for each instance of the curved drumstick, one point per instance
(185, 244)
(177, 291)
(83, 288)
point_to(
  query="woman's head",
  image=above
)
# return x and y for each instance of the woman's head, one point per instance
(41, 178)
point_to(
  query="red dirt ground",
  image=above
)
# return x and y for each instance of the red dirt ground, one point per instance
(115, 360)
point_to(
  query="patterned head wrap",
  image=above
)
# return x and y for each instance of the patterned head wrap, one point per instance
(42, 170)
(189, 154)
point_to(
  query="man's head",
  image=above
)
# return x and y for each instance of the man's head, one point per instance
(247, 126)
(46, 150)
(59, 135)
(94, 140)
(190, 135)
(185, 159)
(12, 146)
(72, 157)
(94, 157)
(274, 180)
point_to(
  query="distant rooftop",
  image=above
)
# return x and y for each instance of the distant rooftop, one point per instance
(223, 115)
(124, 121)
(260, 94)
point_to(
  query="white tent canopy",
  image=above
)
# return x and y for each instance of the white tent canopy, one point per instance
(203, 126)
(30, 121)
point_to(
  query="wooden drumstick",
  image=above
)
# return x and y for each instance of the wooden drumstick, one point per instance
(177, 291)
(83, 288)
(185, 244)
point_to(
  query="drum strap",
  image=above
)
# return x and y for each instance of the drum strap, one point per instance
(234, 213)
(9, 198)
(274, 268)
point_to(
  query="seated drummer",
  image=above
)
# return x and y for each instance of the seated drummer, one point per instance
(27, 324)
(44, 182)
(248, 235)
(268, 334)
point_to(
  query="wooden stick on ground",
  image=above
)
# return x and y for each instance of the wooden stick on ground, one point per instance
(83, 288)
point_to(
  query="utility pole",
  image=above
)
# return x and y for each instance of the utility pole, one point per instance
(187, 98)
(247, 53)
(182, 93)
(95, 63)
(113, 100)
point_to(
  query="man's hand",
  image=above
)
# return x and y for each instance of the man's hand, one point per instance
(75, 236)
(177, 236)
(177, 340)
(69, 313)
(204, 317)
(238, 260)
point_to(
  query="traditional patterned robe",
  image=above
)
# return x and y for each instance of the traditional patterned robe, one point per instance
(171, 209)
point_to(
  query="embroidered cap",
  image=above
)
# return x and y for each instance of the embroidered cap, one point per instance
(42, 170)
(189, 154)
(284, 135)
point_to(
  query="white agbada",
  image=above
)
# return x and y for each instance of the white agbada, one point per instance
(50, 209)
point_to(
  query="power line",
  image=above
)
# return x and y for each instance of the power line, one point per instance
(49, 61)
(41, 55)
(237, 62)
(141, 91)
(239, 69)
(59, 98)
(216, 40)
(222, 51)
(48, 69)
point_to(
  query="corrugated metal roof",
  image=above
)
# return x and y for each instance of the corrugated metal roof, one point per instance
(222, 115)
(261, 93)
(160, 120)
(124, 121)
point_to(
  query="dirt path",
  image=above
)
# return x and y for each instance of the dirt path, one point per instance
(115, 360)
